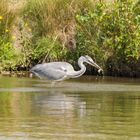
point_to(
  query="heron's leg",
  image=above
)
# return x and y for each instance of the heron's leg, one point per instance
(53, 84)
(30, 75)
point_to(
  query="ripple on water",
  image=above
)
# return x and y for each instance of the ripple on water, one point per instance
(82, 109)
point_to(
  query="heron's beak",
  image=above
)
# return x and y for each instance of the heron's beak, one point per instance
(100, 70)
(94, 65)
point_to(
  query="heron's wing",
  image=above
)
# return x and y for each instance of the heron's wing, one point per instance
(54, 74)
(50, 71)
(64, 66)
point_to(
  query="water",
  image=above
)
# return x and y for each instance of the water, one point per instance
(87, 108)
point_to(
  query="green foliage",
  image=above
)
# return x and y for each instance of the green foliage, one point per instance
(25, 55)
(48, 49)
(108, 31)
(7, 52)
(7, 55)
(89, 33)
(102, 30)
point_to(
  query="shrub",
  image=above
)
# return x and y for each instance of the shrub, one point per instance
(48, 49)
(106, 31)
(7, 55)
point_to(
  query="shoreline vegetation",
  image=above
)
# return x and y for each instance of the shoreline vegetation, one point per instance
(38, 31)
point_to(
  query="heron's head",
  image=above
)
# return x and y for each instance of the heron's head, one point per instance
(90, 61)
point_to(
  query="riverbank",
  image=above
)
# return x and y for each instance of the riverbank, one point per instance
(56, 30)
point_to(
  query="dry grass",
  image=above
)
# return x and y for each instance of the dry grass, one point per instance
(55, 18)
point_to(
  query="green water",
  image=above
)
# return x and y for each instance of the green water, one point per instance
(87, 108)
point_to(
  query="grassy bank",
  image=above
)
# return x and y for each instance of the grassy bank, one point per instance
(40, 31)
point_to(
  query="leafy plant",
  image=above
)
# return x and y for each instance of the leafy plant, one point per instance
(110, 31)
(48, 49)
(7, 55)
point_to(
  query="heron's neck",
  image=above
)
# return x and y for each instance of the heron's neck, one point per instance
(80, 72)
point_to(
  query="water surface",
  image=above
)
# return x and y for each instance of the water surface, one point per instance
(87, 108)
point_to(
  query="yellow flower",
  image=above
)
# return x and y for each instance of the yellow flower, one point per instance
(13, 37)
(1, 17)
(29, 29)
(6, 30)
(26, 24)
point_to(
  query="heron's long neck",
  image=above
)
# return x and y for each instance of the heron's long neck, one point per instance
(80, 72)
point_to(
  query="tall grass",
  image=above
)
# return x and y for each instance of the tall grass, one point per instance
(56, 19)
(6, 18)
(52, 15)
(7, 52)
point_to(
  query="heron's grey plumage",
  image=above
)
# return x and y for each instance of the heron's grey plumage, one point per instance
(58, 71)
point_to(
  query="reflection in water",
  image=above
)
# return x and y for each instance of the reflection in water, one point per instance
(56, 103)
(31, 109)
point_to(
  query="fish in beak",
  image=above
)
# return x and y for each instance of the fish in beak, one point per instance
(100, 70)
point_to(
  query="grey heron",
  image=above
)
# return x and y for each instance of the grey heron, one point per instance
(58, 71)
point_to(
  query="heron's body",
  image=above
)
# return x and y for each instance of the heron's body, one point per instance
(58, 71)
(53, 70)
